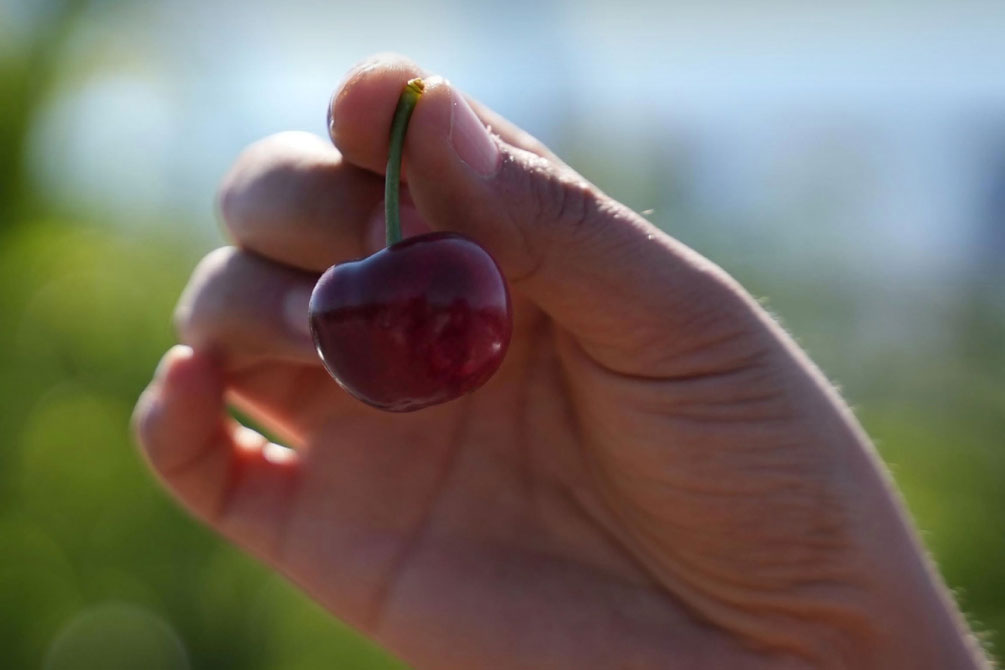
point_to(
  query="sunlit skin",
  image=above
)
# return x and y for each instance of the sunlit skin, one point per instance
(656, 476)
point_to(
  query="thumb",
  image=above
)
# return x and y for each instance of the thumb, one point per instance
(631, 295)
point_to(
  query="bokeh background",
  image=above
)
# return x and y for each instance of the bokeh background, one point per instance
(845, 160)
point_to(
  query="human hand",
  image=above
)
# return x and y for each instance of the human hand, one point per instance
(655, 478)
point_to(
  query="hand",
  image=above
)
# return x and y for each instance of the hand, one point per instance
(656, 477)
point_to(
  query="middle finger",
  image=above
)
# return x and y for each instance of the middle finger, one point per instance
(291, 198)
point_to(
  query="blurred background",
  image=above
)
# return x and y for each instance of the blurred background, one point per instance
(845, 160)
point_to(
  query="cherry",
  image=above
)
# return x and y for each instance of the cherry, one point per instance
(421, 322)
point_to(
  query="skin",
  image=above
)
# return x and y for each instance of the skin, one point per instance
(657, 477)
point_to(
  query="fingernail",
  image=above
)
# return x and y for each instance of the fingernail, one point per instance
(177, 352)
(295, 312)
(471, 140)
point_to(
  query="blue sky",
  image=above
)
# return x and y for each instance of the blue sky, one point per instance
(873, 117)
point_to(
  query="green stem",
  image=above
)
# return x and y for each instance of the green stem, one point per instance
(392, 182)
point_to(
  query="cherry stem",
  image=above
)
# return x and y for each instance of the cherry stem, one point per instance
(392, 182)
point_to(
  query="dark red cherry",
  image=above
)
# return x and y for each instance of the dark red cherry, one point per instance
(421, 322)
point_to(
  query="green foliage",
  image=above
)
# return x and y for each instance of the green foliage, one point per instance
(92, 550)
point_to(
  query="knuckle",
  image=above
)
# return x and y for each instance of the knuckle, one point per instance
(143, 423)
(231, 195)
(551, 206)
(205, 297)
(561, 203)
(152, 431)
(236, 197)
(264, 166)
(227, 203)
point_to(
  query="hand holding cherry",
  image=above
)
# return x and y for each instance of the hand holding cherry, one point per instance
(654, 477)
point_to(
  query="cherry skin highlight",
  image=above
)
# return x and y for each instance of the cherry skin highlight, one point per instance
(419, 323)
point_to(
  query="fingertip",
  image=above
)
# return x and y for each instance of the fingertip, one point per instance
(446, 134)
(352, 74)
(360, 110)
(181, 406)
(149, 407)
(174, 356)
(433, 112)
